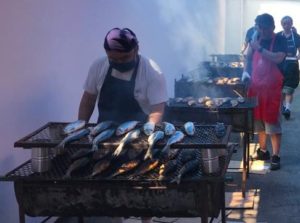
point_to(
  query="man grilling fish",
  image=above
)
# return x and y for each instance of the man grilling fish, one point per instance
(126, 85)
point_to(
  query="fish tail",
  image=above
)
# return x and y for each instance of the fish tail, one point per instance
(149, 153)
(118, 150)
(95, 147)
(178, 179)
(164, 152)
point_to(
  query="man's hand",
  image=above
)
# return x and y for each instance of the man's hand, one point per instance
(246, 76)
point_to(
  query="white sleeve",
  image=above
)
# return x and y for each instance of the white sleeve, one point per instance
(95, 77)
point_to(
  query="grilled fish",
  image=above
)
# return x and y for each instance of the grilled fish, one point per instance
(73, 126)
(169, 128)
(189, 167)
(176, 137)
(81, 153)
(148, 128)
(129, 137)
(189, 128)
(70, 138)
(101, 127)
(234, 102)
(178, 100)
(152, 139)
(77, 164)
(191, 102)
(187, 155)
(126, 167)
(126, 127)
(106, 134)
(167, 168)
(101, 154)
(100, 167)
(146, 167)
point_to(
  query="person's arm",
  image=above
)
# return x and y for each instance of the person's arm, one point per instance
(86, 106)
(156, 113)
(276, 57)
(244, 47)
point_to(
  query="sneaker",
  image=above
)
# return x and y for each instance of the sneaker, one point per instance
(261, 155)
(275, 162)
(286, 113)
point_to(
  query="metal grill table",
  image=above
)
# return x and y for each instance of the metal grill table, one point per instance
(239, 117)
(50, 194)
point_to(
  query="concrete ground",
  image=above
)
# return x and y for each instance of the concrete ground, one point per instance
(277, 198)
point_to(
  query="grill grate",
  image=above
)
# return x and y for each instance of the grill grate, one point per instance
(51, 134)
(60, 164)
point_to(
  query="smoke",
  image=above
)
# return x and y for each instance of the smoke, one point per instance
(191, 27)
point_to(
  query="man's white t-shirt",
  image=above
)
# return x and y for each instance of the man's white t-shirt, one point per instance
(150, 83)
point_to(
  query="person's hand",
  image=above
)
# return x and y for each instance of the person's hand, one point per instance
(246, 76)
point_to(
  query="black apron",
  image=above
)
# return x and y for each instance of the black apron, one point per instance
(117, 102)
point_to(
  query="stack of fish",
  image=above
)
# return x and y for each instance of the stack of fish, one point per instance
(102, 160)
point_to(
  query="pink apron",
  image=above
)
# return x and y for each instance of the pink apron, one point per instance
(266, 85)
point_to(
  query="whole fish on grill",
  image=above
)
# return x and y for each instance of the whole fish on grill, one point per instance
(101, 154)
(187, 155)
(152, 139)
(126, 127)
(71, 138)
(106, 134)
(187, 168)
(101, 127)
(76, 165)
(178, 100)
(192, 102)
(169, 128)
(74, 126)
(148, 128)
(234, 102)
(129, 137)
(186, 99)
(167, 168)
(175, 138)
(189, 128)
(100, 167)
(145, 167)
(202, 100)
(81, 153)
(126, 167)
(241, 99)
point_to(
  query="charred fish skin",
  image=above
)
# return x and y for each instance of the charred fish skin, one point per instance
(126, 167)
(167, 168)
(106, 134)
(126, 127)
(169, 128)
(146, 167)
(152, 139)
(129, 137)
(81, 153)
(185, 169)
(101, 154)
(77, 164)
(189, 128)
(148, 128)
(175, 138)
(101, 127)
(71, 138)
(100, 167)
(74, 126)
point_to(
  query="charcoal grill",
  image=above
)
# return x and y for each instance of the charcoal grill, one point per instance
(49, 194)
(239, 117)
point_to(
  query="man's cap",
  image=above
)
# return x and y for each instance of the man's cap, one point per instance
(122, 40)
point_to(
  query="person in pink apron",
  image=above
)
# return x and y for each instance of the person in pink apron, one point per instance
(266, 55)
